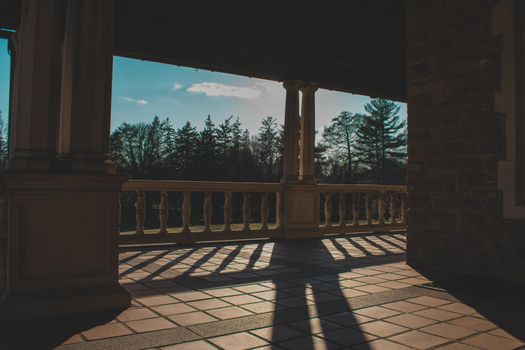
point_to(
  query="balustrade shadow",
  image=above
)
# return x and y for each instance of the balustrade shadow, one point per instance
(314, 293)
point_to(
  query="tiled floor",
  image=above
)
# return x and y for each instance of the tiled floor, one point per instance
(352, 292)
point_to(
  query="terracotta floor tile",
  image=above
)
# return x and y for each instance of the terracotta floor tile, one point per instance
(208, 304)
(151, 324)
(271, 295)
(377, 312)
(404, 306)
(347, 337)
(489, 342)
(418, 340)
(428, 301)
(381, 328)
(241, 299)
(393, 285)
(411, 321)
(352, 293)
(315, 325)
(192, 345)
(310, 343)
(277, 333)
(458, 308)
(222, 292)
(136, 314)
(448, 331)
(457, 346)
(262, 307)
(106, 331)
(173, 309)
(191, 318)
(474, 323)
(238, 341)
(347, 318)
(229, 312)
(252, 288)
(381, 344)
(437, 314)
(190, 296)
(372, 289)
(156, 300)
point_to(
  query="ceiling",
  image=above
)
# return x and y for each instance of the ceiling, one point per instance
(355, 46)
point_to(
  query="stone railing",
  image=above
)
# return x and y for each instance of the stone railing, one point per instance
(206, 231)
(362, 208)
(358, 208)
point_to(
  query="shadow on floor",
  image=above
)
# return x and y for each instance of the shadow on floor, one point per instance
(49, 333)
(501, 303)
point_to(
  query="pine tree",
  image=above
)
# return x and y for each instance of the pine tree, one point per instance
(339, 141)
(381, 139)
(185, 151)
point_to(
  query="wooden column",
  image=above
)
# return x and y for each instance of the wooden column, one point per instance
(307, 146)
(36, 86)
(291, 133)
(85, 112)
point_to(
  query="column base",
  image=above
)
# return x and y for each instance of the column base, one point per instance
(301, 212)
(46, 303)
(60, 255)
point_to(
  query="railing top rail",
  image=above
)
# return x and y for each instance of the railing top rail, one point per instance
(360, 188)
(199, 186)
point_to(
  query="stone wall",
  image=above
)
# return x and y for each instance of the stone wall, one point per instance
(456, 140)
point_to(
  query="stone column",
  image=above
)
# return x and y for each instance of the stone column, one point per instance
(36, 86)
(85, 114)
(291, 133)
(301, 200)
(61, 226)
(307, 148)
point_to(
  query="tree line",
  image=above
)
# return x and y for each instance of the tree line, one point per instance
(356, 147)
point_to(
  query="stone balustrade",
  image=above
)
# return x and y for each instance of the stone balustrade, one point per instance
(363, 207)
(208, 191)
(360, 208)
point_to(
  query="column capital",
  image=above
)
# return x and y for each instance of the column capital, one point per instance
(309, 87)
(292, 84)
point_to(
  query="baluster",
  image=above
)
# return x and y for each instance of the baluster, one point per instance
(393, 208)
(327, 209)
(227, 211)
(369, 211)
(186, 211)
(279, 198)
(265, 211)
(163, 213)
(207, 208)
(355, 209)
(342, 209)
(140, 212)
(404, 208)
(246, 212)
(381, 208)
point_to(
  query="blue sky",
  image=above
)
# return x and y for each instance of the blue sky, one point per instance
(142, 90)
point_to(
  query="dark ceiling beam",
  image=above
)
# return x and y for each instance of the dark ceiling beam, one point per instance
(328, 12)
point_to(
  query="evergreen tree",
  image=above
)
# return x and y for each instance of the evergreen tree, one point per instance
(381, 139)
(339, 140)
(187, 140)
(266, 147)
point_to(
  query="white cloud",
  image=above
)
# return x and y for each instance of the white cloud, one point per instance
(176, 86)
(217, 89)
(139, 102)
